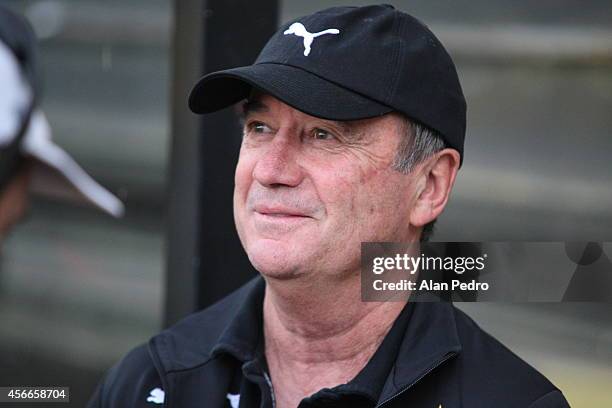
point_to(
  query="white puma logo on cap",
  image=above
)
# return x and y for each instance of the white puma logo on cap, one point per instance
(299, 30)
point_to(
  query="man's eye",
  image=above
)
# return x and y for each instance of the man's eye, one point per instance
(321, 134)
(258, 127)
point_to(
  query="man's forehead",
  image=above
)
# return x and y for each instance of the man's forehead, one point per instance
(261, 102)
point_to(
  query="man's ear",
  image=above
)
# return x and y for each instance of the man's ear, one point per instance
(434, 187)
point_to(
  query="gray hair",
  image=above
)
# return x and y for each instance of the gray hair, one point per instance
(418, 143)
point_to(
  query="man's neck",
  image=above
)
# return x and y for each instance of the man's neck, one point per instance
(322, 339)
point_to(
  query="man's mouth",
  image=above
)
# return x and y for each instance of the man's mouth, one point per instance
(279, 212)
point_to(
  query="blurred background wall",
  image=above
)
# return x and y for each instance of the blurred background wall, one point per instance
(78, 290)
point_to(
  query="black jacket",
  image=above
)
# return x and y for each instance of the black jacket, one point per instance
(443, 359)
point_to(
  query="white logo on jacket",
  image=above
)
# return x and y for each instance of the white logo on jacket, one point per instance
(156, 396)
(234, 400)
(299, 30)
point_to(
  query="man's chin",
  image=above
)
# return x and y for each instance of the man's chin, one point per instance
(274, 264)
(279, 275)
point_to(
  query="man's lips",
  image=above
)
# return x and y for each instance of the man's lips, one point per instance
(271, 211)
(272, 219)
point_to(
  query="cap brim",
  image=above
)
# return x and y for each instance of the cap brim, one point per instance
(57, 174)
(296, 87)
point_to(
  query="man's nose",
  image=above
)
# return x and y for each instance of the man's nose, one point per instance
(278, 163)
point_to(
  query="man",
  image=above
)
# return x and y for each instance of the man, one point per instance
(353, 132)
(28, 157)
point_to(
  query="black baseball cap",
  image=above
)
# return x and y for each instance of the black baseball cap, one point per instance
(348, 63)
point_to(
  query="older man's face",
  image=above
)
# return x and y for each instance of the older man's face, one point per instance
(309, 191)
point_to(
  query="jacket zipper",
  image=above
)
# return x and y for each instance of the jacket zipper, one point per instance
(397, 394)
(269, 382)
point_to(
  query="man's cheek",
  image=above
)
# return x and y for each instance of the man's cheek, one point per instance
(242, 182)
(338, 196)
(243, 176)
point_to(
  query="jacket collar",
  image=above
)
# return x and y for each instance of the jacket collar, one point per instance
(234, 325)
(193, 341)
(242, 336)
(431, 337)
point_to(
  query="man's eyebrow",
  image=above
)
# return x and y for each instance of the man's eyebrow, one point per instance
(257, 106)
(251, 106)
(345, 127)
(348, 129)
